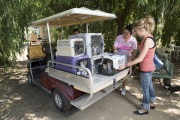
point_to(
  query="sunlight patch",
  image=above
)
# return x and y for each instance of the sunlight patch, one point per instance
(32, 116)
(138, 95)
(172, 110)
(160, 98)
(18, 98)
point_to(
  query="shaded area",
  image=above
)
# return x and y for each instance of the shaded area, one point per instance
(18, 100)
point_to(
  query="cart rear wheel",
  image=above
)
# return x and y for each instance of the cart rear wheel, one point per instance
(29, 77)
(60, 101)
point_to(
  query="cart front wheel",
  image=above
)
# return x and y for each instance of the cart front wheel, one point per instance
(30, 79)
(60, 101)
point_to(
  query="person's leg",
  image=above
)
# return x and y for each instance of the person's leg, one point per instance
(124, 84)
(151, 92)
(145, 82)
(144, 77)
(123, 91)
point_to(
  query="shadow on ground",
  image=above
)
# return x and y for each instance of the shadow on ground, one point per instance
(18, 100)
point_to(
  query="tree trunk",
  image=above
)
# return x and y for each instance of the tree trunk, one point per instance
(122, 15)
(120, 28)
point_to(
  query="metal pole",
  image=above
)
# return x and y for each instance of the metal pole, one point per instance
(62, 32)
(50, 46)
(87, 27)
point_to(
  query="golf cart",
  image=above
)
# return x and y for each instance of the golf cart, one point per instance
(79, 72)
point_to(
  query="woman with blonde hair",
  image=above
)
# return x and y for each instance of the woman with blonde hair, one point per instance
(144, 28)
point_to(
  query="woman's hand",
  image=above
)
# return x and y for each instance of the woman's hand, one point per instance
(122, 67)
(115, 51)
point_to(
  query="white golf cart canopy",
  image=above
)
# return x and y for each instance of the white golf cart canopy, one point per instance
(70, 17)
(73, 16)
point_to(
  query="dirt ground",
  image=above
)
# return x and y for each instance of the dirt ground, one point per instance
(19, 101)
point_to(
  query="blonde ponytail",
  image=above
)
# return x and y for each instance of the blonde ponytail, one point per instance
(148, 23)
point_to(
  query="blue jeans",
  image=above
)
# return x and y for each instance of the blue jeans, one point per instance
(147, 89)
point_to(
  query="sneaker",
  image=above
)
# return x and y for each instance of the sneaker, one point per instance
(123, 91)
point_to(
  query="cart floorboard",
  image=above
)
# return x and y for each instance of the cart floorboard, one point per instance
(81, 101)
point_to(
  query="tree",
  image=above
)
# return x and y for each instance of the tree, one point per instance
(16, 15)
(14, 19)
(171, 30)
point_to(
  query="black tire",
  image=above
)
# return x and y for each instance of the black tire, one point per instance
(29, 77)
(60, 101)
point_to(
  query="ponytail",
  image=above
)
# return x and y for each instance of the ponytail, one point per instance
(148, 23)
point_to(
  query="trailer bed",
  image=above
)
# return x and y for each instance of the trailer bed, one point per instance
(84, 84)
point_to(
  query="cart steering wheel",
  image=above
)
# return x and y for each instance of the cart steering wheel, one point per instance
(46, 49)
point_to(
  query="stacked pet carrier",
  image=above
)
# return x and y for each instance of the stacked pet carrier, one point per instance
(87, 51)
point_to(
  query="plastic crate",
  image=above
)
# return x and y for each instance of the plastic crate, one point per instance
(70, 47)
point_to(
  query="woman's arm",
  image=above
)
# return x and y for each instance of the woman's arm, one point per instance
(115, 46)
(134, 54)
(148, 44)
(115, 49)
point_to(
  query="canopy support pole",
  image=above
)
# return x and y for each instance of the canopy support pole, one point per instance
(62, 33)
(50, 46)
(87, 25)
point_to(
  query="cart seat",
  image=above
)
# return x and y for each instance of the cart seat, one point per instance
(35, 52)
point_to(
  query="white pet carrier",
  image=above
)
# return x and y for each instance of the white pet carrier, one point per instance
(94, 43)
(70, 47)
(118, 60)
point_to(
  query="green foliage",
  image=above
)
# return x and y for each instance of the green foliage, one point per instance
(171, 31)
(15, 16)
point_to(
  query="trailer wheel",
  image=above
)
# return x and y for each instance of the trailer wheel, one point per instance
(30, 79)
(60, 101)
